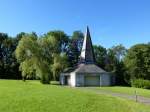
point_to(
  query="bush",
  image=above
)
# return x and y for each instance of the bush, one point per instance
(44, 79)
(141, 83)
(55, 83)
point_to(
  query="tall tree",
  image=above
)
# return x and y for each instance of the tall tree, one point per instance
(100, 55)
(119, 51)
(20, 35)
(60, 40)
(75, 47)
(137, 61)
(59, 64)
(8, 63)
(33, 58)
(115, 56)
(3, 38)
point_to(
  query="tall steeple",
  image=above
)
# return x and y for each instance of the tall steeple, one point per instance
(87, 54)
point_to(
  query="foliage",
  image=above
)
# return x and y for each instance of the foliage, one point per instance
(58, 47)
(119, 51)
(137, 61)
(59, 41)
(115, 56)
(140, 83)
(100, 55)
(55, 83)
(59, 64)
(111, 61)
(114, 63)
(38, 56)
(8, 64)
(41, 57)
(33, 61)
(120, 74)
(74, 47)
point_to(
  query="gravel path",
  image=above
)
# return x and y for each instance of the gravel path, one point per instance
(137, 98)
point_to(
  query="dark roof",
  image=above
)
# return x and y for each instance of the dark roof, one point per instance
(88, 68)
(85, 68)
(87, 54)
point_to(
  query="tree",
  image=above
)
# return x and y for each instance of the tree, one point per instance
(137, 62)
(100, 55)
(32, 57)
(20, 35)
(60, 40)
(75, 47)
(60, 63)
(114, 56)
(3, 38)
(111, 61)
(119, 51)
(114, 64)
(59, 45)
(8, 64)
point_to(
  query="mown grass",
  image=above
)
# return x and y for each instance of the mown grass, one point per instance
(127, 90)
(31, 96)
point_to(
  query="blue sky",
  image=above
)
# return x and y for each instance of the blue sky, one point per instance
(111, 22)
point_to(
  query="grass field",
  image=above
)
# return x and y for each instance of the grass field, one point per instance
(127, 90)
(31, 96)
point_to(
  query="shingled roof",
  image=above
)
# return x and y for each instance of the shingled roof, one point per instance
(89, 68)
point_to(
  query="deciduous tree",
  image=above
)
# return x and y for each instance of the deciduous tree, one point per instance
(137, 61)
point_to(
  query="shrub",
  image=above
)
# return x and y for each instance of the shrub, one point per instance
(55, 83)
(141, 83)
(45, 79)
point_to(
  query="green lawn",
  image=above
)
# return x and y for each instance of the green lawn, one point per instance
(31, 96)
(127, 90)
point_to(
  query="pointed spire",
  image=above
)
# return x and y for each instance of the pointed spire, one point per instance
(87, 54)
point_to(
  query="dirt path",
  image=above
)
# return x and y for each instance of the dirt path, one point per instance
(139, 99)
